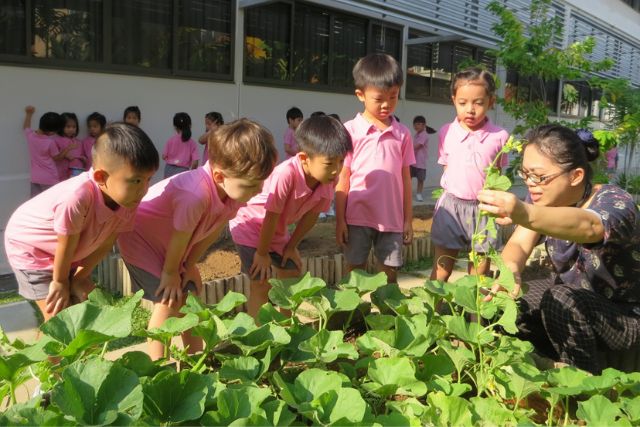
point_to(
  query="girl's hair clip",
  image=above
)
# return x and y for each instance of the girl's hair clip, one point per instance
(585, 136)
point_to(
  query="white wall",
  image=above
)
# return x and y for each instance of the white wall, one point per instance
(159, 99)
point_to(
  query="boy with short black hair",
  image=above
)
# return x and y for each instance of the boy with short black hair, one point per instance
(294, 118)
(373, 195)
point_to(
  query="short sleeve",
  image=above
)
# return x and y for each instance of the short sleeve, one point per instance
(165, 150)
(408, 156)
(70, 215)
(618, 213)
(443, 156)
(188, 209)
(53, 149)
(279, 188)
(194, 152)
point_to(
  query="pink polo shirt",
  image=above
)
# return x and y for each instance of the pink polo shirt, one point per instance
(284, 192)
(74, 152)
(290, 141)
(376, 192)
(467, 154)
(180, 153)
(87, 146)
(70, 207)
(420, 149)
(42, 148)
(62, 165)
(185, 202)
(611, 158)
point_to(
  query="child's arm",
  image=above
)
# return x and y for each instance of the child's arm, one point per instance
(170, 281)
(204, 138)
(289, 150)
(192, 273)
(262, 260)
(59, 288)
(29, 110)
(342, 190)
(81, 283)
(62, 154)
(194, 164)
(303, 226)
(407, 205)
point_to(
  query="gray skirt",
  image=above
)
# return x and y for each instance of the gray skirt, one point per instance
(454, 223)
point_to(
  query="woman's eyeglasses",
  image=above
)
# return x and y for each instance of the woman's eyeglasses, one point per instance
(538, 179)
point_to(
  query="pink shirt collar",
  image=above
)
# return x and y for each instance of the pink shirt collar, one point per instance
(460, 134)
(365, 127)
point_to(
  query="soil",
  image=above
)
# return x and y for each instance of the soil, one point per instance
(222, 260)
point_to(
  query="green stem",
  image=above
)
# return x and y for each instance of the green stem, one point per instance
(104, 350)
(202, 358)
(12, 393)
(566, 410)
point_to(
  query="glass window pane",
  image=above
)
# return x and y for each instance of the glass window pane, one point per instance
(12, 27)
(463, 57)
(386, 40)
(350, 44)
(311, 45)
(141, 34)
(204, 36)
(267, 41)
(442, 70)
(419, 68)
(67, 29)
(486, 59)
(570, 99)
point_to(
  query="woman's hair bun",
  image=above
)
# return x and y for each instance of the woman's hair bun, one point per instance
(590, 144)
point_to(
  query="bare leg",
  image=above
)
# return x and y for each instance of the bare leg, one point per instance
(484, 266)
(420, 187)
(445, 259)
(258, 295)
(162, 312)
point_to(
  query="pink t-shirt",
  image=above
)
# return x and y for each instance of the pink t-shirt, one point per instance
(420, 149)
(180, 153)
(284, 192)
(205, 153)
(74, 152)
(62, 165)
(290, 141)
(185, 202)
(611, 158)
(42, 148)
(376, 191)
(87, 145)
(467, 154)
(71, 207)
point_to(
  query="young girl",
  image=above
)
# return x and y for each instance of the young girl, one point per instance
(467, 147)
(420, 148)
(212, 121)
(95, 125)
(75, 161)
(180, 152)
(132, 115)
(182, 216)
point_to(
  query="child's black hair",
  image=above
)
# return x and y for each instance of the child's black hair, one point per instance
(377, 70)
(65, 118)
(294, 113)
(419, 119)
(97, 117)
(50, 122)
(474, 74)
(215, 117)
(323, 136)
(182, 122)
(317, 113)
(129, 143)
(132, 109)
(335, 116)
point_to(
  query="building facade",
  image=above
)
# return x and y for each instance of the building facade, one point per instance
(257, 58)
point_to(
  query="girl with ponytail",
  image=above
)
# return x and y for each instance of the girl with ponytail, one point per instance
(591, 301)
(180, 152)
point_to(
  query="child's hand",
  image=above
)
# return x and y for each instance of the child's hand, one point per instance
(80, 289)
(58, 297)
(260, 267)
(29, 109)
(342, 233)
(291, 254)
(407, 233)
(192, 275)
(170, 289)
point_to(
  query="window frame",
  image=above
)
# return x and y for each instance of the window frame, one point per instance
(106, 66)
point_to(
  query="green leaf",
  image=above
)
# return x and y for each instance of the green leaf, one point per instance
(172, 327)
(632, 408)
(469, 332)
(363, 282)
(268, 313)
(140, 363)
(598, 410)
(387, 298)
(212, 331)
(395, 375)
(327, 346)
(312, 383)
(380, 342)
(237, 402)
(435, 365)
(269, 335)
(96, 391)
(490, 412)
(567, 380)
(495, 181)
(339, 407)
(31, 414)
(278, 413)
(230, 301)
(397, 419)
(414, 335)
(243, 368)
(448, 410)
(172, 397)
(347, 300)
(440, 289)
(518, 381)
(289, 293)
(447, 387)
(437, 193)
(460, 355)
(410, 407)
(465, 293)
(381, 322)
(299, 333)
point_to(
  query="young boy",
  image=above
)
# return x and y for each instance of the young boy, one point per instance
(420, 148)
(373, 195)
(132, 115)
(183, 215)
(296, 192)
(294, 118)
(95, 125)
(54, 240)
(43, 150)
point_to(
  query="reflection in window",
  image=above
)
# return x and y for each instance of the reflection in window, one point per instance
(67, 29)
(385, 40)
(419, 69)
(531, 88)
(349, 45)
(12, 27)
(204, 36)
(142, 33)
(311, 45)
(267, 41)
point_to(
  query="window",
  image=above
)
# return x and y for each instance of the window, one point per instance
(531, 88)
(171, 37)
(579, 100)
(296, 43)
(431, 66)
(12, 27)
(67, 29)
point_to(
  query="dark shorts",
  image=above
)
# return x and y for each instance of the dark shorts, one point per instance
(170, 170)
(387, 246)
(34, 284)
(419, 173)
(149, 283)
(454, 223)
(246, 259)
